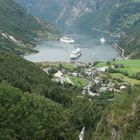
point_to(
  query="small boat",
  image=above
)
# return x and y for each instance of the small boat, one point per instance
(76, 53)
(66, 39)
(102, 40)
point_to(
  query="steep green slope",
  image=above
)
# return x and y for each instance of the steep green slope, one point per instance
(19, 48)
(29, 114)
(122, 18)
(116, 15)
(121, 120)
(16, 22)
(29, 77)
(18, 29)
(131, 42)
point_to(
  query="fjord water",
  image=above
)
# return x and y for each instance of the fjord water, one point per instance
(92, 50)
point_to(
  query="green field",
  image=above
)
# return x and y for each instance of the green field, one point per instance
(101, 64)
(79, 82)
(131, 66)
(69, 66)
(125, 78)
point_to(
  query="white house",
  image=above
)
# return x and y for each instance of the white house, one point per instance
(59, 74)
(123, 87)
(102, 69)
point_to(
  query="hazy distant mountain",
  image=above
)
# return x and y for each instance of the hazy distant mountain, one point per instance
(62, 13)
(100, 14)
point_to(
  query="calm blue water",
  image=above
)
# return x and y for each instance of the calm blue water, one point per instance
(92, 50)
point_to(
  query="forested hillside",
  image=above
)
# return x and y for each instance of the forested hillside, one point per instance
(131, 42)
(18, 30)
(120, 18)
(32, 106)
(29, 77)
(28, 116)
(121, 120)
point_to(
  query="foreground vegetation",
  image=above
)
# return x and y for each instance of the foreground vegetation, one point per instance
(27, 92)
(121, 119)
(34, 107)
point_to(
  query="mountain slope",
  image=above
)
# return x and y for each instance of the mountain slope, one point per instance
(113, 15)
(117, 18)
(61, 13)
(28, 116)
(131, 41)
(20, 29)
(120, 18)
(29, 77)
(15, 21)
(121, 120)
(31, 104)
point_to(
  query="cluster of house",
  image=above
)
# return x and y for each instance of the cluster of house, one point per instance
(92, 74)
(62, 78)
(107, 85)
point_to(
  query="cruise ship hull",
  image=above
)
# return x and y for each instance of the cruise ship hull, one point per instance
(75, 54)
(67, 40)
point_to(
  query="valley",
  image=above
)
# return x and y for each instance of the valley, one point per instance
(44, 95)
(120, 19)
(91, 47)
(104, 76)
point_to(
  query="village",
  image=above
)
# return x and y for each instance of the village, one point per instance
(92, 79)
(99, 78)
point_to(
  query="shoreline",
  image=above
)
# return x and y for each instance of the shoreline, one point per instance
(121, 52)
(61, 62)
(34, 51)
(120, 56)
(29, 53)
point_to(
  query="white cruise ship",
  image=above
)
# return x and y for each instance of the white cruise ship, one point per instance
(102, 40)
(76, 53)
(66, 39)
